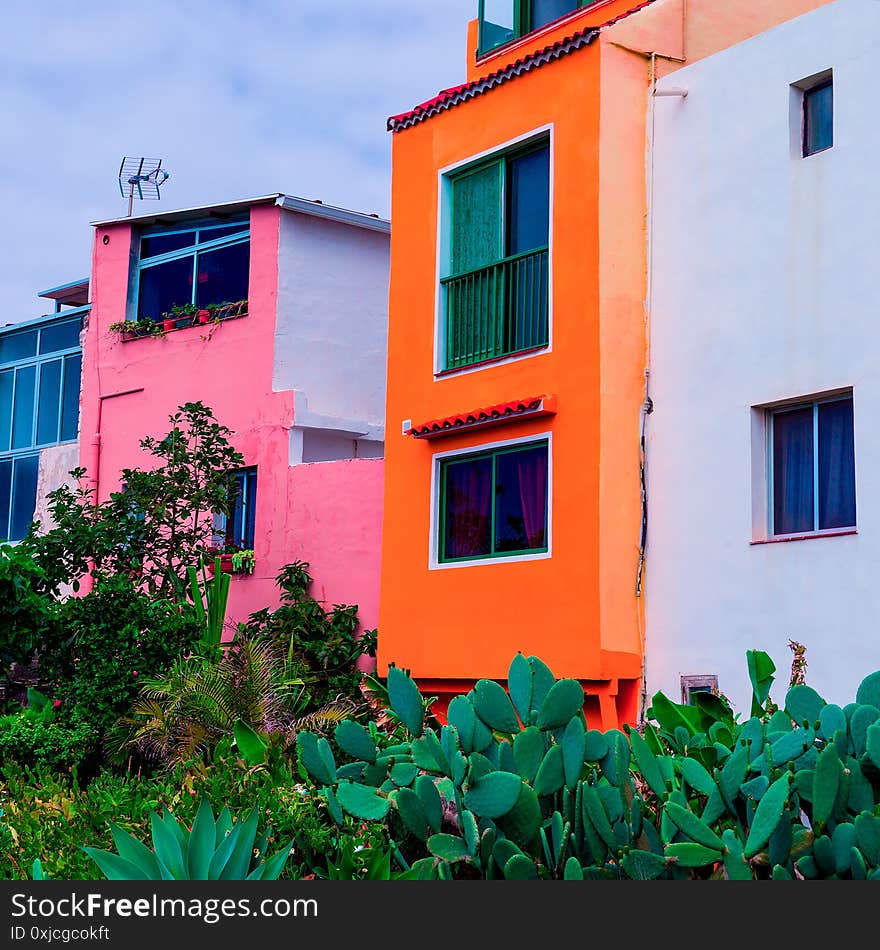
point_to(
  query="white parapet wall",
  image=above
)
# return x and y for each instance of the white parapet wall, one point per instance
(764, 290)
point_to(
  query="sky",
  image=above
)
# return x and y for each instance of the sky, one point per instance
(239, 98)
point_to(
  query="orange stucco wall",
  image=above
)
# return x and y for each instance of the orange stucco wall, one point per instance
(577, 609)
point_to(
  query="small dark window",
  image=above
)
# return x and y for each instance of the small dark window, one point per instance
(813, 485)
(241, 526)
(818, 118)
(495, 504)
(691, 685)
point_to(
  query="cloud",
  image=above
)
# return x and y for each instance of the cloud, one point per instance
(239, 97)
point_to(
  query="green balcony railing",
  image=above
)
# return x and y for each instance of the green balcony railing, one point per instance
(498, 310)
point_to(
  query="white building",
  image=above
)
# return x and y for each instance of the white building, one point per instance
(765, 323)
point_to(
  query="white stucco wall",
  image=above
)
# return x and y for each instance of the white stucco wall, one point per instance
(332, 325)
(764, 289)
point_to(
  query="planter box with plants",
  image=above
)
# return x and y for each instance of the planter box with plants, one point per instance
(232, 560)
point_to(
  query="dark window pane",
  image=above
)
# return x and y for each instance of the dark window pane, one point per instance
(70, 399)
(468, 509)
(214, 234)
(47, 408)
(793, 471)
(818, 119)
(7, 380)
(250, 511)
(837, 469)
(528, 189)
(546, 11)
(17, 346)
(223, 275)
(155, 244)
(243, 521)
(476, 219)
(165, 286)
(23, 408)
(60, 336)
(521, 500)
(498, 23)
(5, 497)
(24, 495)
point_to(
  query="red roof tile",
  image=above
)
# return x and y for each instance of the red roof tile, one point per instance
(455, 95)
(487, 415)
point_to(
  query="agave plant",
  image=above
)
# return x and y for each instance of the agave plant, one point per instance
(219, 849)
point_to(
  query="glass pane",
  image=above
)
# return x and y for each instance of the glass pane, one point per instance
(23, 408)
(214, 234)
(61, 336)
(498, 25)
(237, 510)
(546, 11)
(7, 380)
(47, 408)
(70, 399)
(528, 202)
(163, 243)
(24, 495)
(17, 346)
(5, 497)
(251, 520)
(165, 286)
(818, 119)
(793, 471)
(837, 468)
(223, 275)
(521, 500)
(467, 515)
(476, 219)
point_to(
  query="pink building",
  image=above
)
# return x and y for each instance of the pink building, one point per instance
(296, 368)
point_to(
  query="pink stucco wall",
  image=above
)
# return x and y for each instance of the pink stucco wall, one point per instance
(130, 388)
(335, 523)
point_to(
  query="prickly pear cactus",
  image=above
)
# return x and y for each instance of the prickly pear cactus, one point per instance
(517, 786)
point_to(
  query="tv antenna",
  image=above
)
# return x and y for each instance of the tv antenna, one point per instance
(141, 178)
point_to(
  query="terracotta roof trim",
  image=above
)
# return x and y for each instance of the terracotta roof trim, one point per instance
(487, 415)
(456, 95)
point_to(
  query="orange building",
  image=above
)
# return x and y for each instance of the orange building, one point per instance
(518, 343)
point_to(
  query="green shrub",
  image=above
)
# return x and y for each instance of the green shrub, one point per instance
(107, 643)
(47, 816)
(45, 742)
(321, 645)
(517, 787)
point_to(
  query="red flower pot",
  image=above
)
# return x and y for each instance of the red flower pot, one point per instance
(204, 316)
(168, 325)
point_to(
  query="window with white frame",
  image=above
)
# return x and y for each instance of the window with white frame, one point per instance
(494, 502)
(197, 266)
(811, 456)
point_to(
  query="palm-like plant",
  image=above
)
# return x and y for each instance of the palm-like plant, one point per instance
(201, 701)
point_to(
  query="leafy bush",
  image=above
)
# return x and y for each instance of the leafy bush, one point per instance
(158, 524)
(26, 615)
(320, 645)
(516, 786)
(107, 643)
(39, 739)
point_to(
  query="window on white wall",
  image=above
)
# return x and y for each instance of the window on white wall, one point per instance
(813, 114)
(811, 467)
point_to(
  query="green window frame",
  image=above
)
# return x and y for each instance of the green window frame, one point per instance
(495, 550)
(521, 17)
(192, 242)
(495, 284)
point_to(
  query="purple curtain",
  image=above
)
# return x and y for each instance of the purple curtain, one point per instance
(837, 479)
(468, 508)
(793, 471)
(532, 472)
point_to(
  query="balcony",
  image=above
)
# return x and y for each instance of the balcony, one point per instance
(505, 21)
(497, 311)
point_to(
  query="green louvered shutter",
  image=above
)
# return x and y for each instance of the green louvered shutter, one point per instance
(476, 219)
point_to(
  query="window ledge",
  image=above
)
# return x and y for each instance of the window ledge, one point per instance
(187, 323)
(495, 361)
(810, 536)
